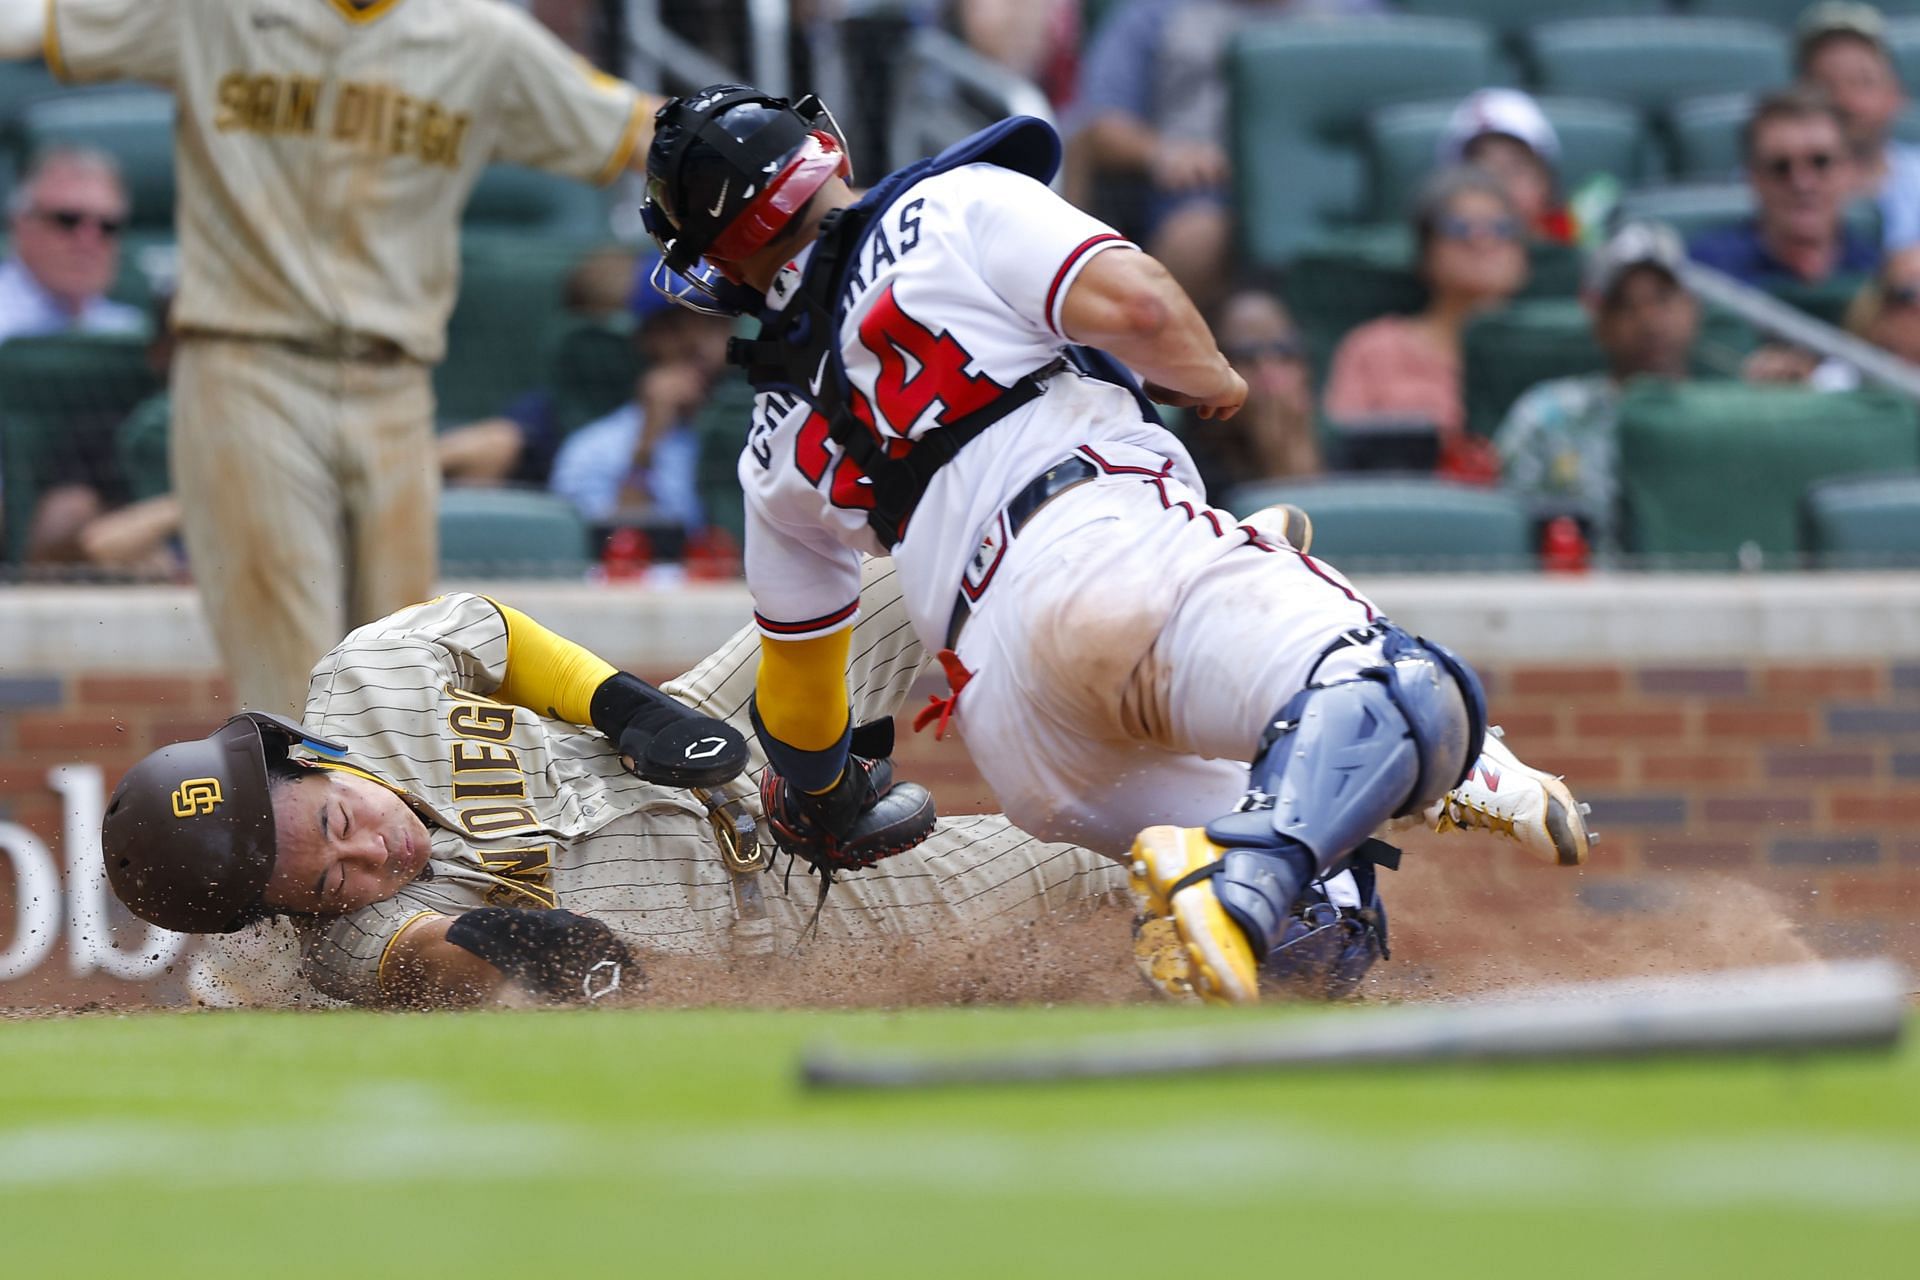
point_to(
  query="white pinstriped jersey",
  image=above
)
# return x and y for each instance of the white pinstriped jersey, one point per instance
(525, 810)
(957, 295)
(325, 150)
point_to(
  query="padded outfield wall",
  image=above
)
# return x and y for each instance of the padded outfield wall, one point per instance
(1763, 729)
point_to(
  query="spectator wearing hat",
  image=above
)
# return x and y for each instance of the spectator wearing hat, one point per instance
(1559, 443)
(639, 464)
(1801, 171)
(1841, 50)
(1503, 133)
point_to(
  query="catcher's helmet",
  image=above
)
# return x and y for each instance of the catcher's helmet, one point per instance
(729, 168)
(188, 836)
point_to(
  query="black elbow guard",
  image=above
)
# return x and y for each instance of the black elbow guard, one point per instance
(556, 954)
(669, 743)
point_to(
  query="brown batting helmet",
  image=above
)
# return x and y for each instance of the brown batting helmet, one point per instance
(188, 836)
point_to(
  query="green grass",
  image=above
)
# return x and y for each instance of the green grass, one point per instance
(675, 1144)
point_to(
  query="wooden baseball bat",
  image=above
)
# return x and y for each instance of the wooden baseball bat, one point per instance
(1796, 1009)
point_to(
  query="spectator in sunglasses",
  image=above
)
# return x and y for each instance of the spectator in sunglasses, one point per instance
(1801, 171)
(1841, 49)
(64, 222)
(1272, 437)
(1472, 257)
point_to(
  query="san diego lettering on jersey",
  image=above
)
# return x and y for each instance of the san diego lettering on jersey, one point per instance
(373, 117)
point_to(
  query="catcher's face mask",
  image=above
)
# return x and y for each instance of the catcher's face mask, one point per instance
(729, 169)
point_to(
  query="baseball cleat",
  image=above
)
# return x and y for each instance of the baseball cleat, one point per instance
(1509, 798)
(1285, 521)
(1187, 946)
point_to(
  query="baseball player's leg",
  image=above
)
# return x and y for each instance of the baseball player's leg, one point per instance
(391, 486)
(249, 453)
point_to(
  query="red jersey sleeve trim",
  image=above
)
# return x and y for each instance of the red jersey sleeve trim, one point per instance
(825, 622)
(1066, 269)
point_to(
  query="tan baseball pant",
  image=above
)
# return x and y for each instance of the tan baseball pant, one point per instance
(310, 498)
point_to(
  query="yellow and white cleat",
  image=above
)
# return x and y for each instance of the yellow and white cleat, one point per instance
(1513, 799)
(1186, 945)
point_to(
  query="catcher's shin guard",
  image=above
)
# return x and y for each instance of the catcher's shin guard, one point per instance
(1397, 724)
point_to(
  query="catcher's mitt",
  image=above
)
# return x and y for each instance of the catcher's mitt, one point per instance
(864, 817)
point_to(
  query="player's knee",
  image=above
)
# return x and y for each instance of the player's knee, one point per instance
(1393, 724)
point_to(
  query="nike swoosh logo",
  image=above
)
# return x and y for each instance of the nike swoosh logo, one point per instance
(820, 374)
(715, 211)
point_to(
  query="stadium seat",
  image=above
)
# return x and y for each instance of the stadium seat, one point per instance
(134, 126)
(1784, 14)
(140, 445)
(1595, 138)
(1705, 134)
(510, 533)
(1710, 468)
(1510, 20)
(1689, 208)
(46, 385)
(595, 367)
(1862, 521)
(1527, 343)
(21, 83)
(1390, 523)
(1903, 42)
(1651, 63)
(512, 201)
(499, 338)
(1302, 92)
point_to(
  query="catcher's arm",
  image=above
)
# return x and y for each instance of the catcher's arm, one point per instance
(1129, 305)
(828, 792)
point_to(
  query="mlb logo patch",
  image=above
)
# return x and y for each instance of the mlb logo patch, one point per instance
(986, 559)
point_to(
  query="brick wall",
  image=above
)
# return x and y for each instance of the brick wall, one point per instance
(1805, 779)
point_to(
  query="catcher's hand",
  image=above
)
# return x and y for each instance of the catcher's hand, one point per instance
(864, 817)
(556, 954)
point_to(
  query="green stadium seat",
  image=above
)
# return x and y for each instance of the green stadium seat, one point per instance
(1689, 208)
(46, 385)
(1527, 343)
(1342, 282)
(141, 447)
(1302, 92)
(1595, 138)
(134, 126)
(1652, 63)
(1710, 468)
(21, 83)
(1511, 19)
(1394, 523)
(1862, 521)
(1784, 14)
(1903, 42)
(1705, 134)
(509, 200)
(510, 533)
(595, 368)
(509, 312)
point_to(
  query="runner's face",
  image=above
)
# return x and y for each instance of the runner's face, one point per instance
(343, 842)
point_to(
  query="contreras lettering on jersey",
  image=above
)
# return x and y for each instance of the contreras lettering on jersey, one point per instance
(373, 117)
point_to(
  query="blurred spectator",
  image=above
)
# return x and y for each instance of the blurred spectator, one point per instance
(1887, 312)
(518, 445)
(1842, 51)
(1038, 39)
(1472, 260)
(1153, 108)
(1272, 437)
(65, 220)
(639, 463)
(105, 499)
(1558, 444)
(1504, 133)
(1802, 177)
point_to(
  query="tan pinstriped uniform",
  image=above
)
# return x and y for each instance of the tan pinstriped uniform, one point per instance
(324, 154)
(530, 811)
